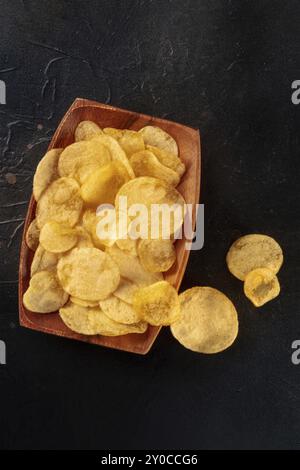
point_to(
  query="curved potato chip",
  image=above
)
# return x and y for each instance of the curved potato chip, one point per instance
(116, 151)
(44, 294)
(119, 311)
(128, 244)
(32, 236)
(90, 220)
(43, 261)
(253, 251)
(156, 255)
(168, 159)
(81, 159)
(131, 268)
(102, 186)
(154, 194)
(126, 290)
(130, 141)
(46, 172)
(145, 163)
(261, 285)
(60, 202)
(208, 323)
(84, 240)
(57, 238)
(88, 273)
(93, 321)
(157, 304)
(84, 303)
(156, 137)
(86, 130)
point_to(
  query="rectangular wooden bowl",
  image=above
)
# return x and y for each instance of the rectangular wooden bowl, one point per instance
(188, 141)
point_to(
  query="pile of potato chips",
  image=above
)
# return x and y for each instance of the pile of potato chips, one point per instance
(114, 285)
(108, 286)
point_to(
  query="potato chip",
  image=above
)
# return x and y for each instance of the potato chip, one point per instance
(44, 294)
(253, 251)
(60, 202)
(158, 138)
(88, 273)
(130, 141)
(168, 159)
(156, 255)
(86, 130)
(82, 159)
(84, 240)
(128, 244)
(90, 220)
(131, 268)
(154, 194)
(119, 311)
(113, 132)
(32, 235)
(126, 290)
(261, 285)
(43, 261)
(157, 304)
(116, 152)
(145, 163)
(57, 238)
(102, 186)
(208, 323)
(46, 172)
(84, 303)
(93, 321)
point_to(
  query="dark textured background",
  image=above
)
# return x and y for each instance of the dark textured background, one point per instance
(227, 68)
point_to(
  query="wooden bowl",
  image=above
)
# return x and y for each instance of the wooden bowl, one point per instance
(188, 140)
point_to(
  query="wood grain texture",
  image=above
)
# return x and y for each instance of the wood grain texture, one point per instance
(188, 141)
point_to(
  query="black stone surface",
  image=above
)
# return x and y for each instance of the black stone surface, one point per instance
(227, 68)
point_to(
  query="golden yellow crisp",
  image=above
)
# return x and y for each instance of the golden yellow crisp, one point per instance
(102, 186)
(116, 152)
(165, 205)
(90, 221)
(156, 255)
(130, 267)
(86, 130)
(157, 304)
(156, 137)
(261, 285)
(145, 163)
(168, 159)
(46, 172)
(93, 321)
(32, 236)
(43, 261)
(119, 311)
(84, 239)
(130, 141)
(44, 294)
(81, 159)
(128, 244)
(84, 303)
(88, 273)
(57, 238)
(254, 251)
(60, 202)
(126, 290)
(208, 323)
